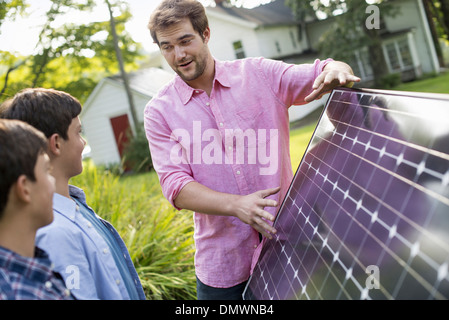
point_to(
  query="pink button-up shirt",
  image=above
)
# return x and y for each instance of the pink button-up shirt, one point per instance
(235, 141)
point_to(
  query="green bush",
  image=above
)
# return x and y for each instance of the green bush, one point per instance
(137, 153)
(158, 237)
(390, 81)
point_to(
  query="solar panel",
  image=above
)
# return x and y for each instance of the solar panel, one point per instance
(367, 213)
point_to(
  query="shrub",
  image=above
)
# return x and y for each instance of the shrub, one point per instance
(137, 153)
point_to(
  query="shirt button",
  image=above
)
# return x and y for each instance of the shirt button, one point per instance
(221, 124)
(77, 208)
(117, 281)
(89, 224)
(196, 91)
(255, 246)
(48, 285)
(238, 172)
(207, 104)
(105, 251)
(229, 148)
(66, 292)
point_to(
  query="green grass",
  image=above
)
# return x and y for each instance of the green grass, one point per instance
(437, 84)
(299, 140)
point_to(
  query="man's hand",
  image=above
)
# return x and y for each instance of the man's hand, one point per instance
(251, 210)
(335, 74)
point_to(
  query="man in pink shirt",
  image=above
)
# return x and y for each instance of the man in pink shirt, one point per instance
(219, 140)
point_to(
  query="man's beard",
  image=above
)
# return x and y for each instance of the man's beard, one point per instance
(200, 66)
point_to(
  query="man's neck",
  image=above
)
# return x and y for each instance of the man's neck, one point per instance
(206, 81)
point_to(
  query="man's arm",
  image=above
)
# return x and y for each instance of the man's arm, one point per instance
(335, 74)
(249, 209)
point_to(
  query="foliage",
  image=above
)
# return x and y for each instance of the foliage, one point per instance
(71, 57)
(158, 237)
(137, 153)
(390, 81)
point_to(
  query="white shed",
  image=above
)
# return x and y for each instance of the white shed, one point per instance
(106, 115)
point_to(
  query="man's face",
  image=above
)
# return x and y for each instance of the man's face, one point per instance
(184, 49)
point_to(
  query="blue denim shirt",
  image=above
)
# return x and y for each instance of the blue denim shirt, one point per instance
(81, 254)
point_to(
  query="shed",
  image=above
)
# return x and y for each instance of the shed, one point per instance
(106, 116)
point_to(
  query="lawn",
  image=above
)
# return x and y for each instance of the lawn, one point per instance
(437, 84)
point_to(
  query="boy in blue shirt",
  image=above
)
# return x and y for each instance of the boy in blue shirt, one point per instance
(86, 250)
(26, 192)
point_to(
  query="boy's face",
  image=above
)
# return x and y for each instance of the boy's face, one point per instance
(42, 191)
(73, 149)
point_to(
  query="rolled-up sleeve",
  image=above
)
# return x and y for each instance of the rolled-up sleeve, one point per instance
(291, 83)
(173, 175)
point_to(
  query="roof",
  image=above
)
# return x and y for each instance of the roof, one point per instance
(271, 14)
(146, 81)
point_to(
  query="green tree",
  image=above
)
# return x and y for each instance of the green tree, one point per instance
(349, 31)
(73, 57)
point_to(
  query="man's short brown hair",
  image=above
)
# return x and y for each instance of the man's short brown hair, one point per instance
(170, 12)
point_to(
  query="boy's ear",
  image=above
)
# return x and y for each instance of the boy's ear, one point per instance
(22, 189)
(54, 144)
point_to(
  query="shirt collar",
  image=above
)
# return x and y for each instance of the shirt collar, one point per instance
(37, 268)
(186, 92)
(67, 206)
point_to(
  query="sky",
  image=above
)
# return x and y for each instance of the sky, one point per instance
(21, 36)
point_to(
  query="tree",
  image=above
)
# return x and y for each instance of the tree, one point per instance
(10, 9)
(72, 57)
(124, 76)
(349, 31)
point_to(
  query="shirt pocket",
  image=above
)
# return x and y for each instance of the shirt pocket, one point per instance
(251, 118)
(253, 126)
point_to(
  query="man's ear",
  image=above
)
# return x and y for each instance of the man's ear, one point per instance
(206, 35)
(22, 189)
(54, 144)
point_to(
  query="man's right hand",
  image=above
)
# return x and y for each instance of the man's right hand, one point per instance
(251, 210)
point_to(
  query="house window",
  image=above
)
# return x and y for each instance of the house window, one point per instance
(361, 65)
(404, 51)
(398, 55)
(238, 50)
(393, 56)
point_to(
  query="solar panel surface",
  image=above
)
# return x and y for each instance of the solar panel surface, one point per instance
(367, 213)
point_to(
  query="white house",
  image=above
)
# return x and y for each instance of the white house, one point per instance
(106, 115)
(270, 31)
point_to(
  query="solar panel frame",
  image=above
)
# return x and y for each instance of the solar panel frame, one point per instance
(333, 258)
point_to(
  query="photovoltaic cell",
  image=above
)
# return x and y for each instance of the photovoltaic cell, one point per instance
(367, 213)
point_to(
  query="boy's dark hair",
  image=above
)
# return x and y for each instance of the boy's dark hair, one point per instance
(48, 110)
(20, 146)
(170, 12)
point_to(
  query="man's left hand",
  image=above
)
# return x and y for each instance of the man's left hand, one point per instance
(335, 74)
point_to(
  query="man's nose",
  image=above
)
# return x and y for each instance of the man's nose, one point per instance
(179, 52)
